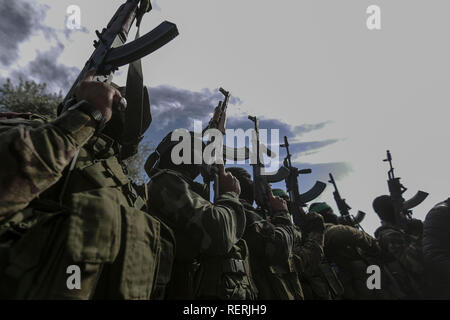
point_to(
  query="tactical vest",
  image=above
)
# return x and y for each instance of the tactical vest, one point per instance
(405, 280)
(274, 282)
(97, 223)
(225, 277)
(278, 282)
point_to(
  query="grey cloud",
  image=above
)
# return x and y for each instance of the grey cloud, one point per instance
(319, 172)
(155, 5)
(285, 129)
(18, 21)
(177, 108)
(174, 108)
(69, 32)
(45, 69)
(307, 147)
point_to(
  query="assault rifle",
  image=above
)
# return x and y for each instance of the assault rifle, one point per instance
(109, 54)
(298, 200)
(261, 179)
(210, 171)
(402, 207)
(344, 208)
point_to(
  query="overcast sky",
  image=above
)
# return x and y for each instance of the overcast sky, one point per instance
(342, 94)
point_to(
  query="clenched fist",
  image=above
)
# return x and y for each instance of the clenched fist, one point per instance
(101, 95)
(227, 182)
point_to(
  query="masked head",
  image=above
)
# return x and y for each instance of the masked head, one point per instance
(384, 208)
(245, 180)
(325, 211)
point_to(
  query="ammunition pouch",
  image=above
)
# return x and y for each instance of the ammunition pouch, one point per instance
(225, 277)
(98, 225)
(278, 282)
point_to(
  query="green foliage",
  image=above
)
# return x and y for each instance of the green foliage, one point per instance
(28, 96)
(135, 164)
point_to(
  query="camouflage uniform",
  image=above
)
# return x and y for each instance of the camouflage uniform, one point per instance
(436, 250)
(351, 251)
(319, 280)
(96, 227)
(402, 254)
(211, 258)
(271, 257)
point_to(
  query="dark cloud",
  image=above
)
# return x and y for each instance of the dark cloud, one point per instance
(285, 129)
(305, 128)
(18, 21)
(174, 108)
(46, 69)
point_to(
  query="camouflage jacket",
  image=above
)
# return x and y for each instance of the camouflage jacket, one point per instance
(96, 229)
(319, 281)
(211, 258)
(400, 246)
(436, 250)
(271, 244)
(34, 153)
(402, 255)
(351, 251)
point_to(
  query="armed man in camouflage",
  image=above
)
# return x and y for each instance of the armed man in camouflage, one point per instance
(211, 260)
(275, 247)
(436, 250)
(318, 279)
(350, 251)
(402, 249)
(72, 233)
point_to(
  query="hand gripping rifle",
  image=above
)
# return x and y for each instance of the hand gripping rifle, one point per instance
(403, 208)
(110, 53)
(344, 208)
(298, 200)
(261, 179)
(210, 171)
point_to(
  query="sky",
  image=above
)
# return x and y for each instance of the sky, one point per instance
(343, 94)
